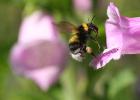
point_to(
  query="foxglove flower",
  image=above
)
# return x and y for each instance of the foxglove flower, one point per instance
(39, 54)
(122, 37)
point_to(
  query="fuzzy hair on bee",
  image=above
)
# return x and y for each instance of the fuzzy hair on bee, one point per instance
(79, 37)
(79, 57)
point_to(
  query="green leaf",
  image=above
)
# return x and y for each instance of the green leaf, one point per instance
(122, 80)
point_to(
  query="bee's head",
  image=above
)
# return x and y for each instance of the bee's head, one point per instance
(83, 28)
(93, 27)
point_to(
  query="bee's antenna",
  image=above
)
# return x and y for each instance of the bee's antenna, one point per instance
(92, 18)
(88, 18)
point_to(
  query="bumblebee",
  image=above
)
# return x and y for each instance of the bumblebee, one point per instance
(80, 36)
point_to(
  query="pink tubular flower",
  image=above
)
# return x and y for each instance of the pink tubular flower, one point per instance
(122, 36)
(39, 54)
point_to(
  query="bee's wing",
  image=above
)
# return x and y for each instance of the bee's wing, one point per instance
(66, 27)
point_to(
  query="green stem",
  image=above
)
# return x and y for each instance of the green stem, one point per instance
(69, 84)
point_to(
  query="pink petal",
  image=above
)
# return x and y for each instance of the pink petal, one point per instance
(114, 37)
(41, 62)
(104, 58)
(132, 36)
(113, 13)
(45, 77)
(38, 55)
(38, 26)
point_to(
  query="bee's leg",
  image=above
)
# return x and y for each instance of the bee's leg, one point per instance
(98, 44)
(95, 29)
(95, 40)
(90, 51)
(96, 36)
(83, 49)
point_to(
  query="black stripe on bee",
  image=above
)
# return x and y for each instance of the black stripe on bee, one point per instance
(77, 47)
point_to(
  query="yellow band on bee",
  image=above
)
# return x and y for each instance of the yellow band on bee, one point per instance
(74, 39)
(85, 26)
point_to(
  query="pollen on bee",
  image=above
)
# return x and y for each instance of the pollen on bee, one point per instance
(89, 50)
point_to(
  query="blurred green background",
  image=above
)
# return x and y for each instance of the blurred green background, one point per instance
(119, 80)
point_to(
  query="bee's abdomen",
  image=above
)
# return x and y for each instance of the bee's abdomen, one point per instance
(74, 46)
